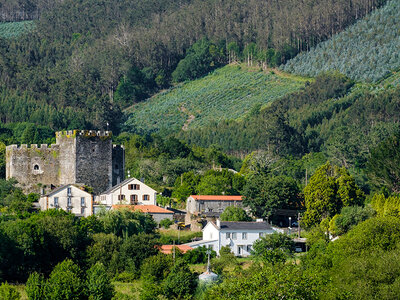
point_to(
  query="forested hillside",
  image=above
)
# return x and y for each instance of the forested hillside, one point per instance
(366, 51)
(227, 93)
(328, 115)
(84, 54)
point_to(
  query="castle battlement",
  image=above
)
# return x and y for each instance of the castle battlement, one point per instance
(86, 156)
(32, 146)
(85, 133)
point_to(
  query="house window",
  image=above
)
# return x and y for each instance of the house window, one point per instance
(69, 191)
(146, 197)
(233, 235)
(134, 199)
(228, 235)
(121, 197)
(82, 210)
(133, 187)
(244, 236)
(240, 250)
(261, 234)
(248, 248)
(69, 202)
(55, 201)
(82, 201)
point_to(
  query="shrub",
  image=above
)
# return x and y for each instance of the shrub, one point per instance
(198, 255)
(35, 286)
(166, 223)
(7, 292)
(65, 282)
(98, 284)
(181, 282)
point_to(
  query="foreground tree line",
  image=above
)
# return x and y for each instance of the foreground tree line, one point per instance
(54, 249)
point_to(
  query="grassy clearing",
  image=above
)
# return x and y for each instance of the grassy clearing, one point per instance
(179, 236)
(227, 93)
(127, 290)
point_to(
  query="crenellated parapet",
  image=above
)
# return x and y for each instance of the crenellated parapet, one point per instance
(25, 147)
(84, 156)
(83, 133)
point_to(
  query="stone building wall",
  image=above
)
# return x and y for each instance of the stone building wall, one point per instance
(79, 156)
(118, 163)
(67, 143)
(34, 167)
(94, 160)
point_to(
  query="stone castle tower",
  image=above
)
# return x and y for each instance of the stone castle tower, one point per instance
(79, 156)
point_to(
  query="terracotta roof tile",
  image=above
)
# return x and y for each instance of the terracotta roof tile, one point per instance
(167, 249)
(217, 197)
(144, 208)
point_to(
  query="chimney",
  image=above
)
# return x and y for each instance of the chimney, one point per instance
(259, 220)
(218, 223)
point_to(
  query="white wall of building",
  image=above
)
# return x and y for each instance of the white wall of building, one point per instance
(240, 241)
(69, 198)
(131, 191)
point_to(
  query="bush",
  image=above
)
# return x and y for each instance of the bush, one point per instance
(65, 282)
(7, 292)
(166, 223)
(181, 282)
(274, 247)
(35, 286)
(98, 284)
(232, 213)
(198, 255)
(156, 267)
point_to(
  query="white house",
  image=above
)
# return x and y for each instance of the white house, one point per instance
(239, 236)
(71, 197)
(130, 191)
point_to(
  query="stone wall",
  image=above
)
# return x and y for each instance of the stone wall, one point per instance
(94, 160)
(67, 143)
(118, 164)
(33, 166)
(79, 156)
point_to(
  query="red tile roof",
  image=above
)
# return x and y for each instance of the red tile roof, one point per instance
(167, 249)
(151, 209)
(217, 198)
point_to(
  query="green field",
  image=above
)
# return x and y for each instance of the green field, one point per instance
(227, 93)
(15, 29)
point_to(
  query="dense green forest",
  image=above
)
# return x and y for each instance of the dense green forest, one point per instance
(98, 59)
(366, 51)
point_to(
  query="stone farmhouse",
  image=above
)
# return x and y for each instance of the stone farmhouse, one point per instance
(78, 157)
(130, 191)
(198, 204)
(239, 236)
(71, 197)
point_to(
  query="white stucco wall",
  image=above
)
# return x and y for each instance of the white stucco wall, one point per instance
(112, 198)
(76, 195)
(239, 244)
